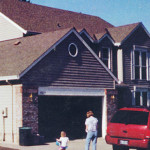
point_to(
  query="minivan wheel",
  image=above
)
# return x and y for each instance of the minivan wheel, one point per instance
(118, 147)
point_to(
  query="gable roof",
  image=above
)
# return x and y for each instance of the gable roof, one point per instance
(119, 34)
(38, 18)
(18, 56)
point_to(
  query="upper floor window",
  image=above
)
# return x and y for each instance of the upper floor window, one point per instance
(105, 56)
(141, 97)
(140, 64)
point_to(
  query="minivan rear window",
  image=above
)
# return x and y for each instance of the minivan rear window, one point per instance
(130, 117)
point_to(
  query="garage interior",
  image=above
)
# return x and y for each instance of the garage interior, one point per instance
(67, 113)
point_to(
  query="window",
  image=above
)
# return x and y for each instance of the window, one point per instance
(141, 97)
(140, 64)
(105, 56)
(73, 50)
(130, 117)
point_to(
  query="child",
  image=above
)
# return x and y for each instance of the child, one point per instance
(63, 141)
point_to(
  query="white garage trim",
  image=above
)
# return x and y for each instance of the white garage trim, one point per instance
(104, 116)
(53, 91)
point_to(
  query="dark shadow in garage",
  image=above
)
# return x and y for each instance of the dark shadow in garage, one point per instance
(57, 113)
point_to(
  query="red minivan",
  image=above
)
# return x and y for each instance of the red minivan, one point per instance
(129, 128)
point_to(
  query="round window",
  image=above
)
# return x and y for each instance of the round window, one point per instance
(73, 50)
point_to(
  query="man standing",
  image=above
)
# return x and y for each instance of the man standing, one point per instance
(91, 129)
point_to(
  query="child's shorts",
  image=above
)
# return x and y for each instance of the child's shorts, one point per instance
(63, 147)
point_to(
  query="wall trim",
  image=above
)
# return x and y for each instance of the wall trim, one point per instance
(58, 91)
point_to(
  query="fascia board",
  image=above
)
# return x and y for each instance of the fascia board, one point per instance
(145, 29)
(6, 78)
(94, 54)
(140, 24)
(86, 33)
(106, 35)
(13, 23)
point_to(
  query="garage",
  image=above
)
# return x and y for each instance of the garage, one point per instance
(68, 113)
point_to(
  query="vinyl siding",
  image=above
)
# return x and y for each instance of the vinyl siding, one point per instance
(59, 69)
(9, 97)
(8, 30)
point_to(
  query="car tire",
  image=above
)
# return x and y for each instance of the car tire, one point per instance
(118, 147)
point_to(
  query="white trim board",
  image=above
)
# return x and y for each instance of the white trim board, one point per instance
(104, 36)
(87, 34)
(13, 23)
(57, 91)
(140, 24)
(13, 77)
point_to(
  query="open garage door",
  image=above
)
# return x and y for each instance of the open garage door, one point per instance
(57, 113)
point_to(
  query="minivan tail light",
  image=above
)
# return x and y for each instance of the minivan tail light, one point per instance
(147, 137)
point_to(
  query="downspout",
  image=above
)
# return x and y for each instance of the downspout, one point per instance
(3, 129)
(12, 110)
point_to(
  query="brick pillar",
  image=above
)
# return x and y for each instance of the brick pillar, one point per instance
(30, 108)
(112, 102)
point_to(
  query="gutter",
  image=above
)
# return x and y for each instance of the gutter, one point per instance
(6, 78)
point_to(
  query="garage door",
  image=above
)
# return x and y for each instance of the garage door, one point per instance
(57, 113)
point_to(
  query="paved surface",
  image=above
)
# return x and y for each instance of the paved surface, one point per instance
(73, 145)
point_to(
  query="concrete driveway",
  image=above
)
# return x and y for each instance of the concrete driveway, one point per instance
(73, 145)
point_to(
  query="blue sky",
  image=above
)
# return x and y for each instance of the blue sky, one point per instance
(116, 12)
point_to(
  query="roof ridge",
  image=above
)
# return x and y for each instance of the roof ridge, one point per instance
(39, 34)
(39, 18)
(74, 12)
(125, 25)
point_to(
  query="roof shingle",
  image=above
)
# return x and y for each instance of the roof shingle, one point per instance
(18, 54)
(118, 34)
(38, 18)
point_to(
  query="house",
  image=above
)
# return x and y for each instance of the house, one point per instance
(57, 64)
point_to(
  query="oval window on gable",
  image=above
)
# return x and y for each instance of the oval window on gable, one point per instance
(73, 50)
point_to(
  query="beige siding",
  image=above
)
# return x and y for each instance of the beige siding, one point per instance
(8, 30)
(10, 98)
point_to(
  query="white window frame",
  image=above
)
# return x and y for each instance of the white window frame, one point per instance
(140, 49)
(141, 98)
(70, 50)
(101, 55)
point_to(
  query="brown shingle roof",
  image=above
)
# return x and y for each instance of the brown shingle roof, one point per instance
(100, 35)
(119, 33)
(18, 54)
(38, 18)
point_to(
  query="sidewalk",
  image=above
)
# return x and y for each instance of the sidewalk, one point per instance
(73, 145)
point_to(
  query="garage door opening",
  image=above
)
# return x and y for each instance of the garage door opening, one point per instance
(68, 114)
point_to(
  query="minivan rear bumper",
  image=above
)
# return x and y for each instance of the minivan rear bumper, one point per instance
(137, 143)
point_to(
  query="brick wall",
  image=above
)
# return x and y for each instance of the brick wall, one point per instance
(30, 108)
(112, 103)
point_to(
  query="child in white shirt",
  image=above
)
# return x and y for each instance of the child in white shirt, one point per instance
(63, 141)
